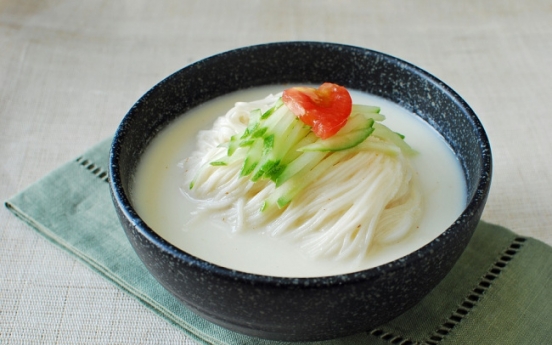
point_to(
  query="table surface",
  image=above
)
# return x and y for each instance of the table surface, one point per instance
(70, 70)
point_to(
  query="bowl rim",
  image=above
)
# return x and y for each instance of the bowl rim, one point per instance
(473, 204)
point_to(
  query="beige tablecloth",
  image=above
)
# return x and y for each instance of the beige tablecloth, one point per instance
(69, 71)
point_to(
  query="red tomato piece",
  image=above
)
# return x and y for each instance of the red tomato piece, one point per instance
(325, 109)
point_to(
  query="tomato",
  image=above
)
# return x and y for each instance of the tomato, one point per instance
(325, 109)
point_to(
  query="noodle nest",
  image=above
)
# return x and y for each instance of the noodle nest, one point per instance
(367, 198)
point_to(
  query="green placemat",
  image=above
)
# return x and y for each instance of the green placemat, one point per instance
(499, 292)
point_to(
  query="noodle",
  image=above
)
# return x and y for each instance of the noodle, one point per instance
(358, 198)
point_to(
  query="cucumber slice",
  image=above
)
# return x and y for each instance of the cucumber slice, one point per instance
(304, 162)
(294, 152)
(254, 117)
(270, 111)
(253, 157)
(383, 132)
(287, 131)
(299, 181)
(362, 108)
(282, 146)
(357, 129)
(384, 147)
(233, 145)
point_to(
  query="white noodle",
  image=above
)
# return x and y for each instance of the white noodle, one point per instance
(363, 198)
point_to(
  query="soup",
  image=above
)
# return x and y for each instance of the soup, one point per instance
(159, 200)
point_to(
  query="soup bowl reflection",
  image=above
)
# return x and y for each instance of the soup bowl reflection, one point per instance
(303, 309)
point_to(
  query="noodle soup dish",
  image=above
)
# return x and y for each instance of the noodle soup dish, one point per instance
(300, 191)
(218, 222)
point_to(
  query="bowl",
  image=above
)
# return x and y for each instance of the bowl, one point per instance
(301, 309)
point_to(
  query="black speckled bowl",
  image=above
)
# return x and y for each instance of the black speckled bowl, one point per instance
(305, 308)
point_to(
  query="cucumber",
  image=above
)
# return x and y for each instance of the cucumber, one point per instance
(254, 118)
(304, 177)
(274, 159)
(275, 107)
(252, 158)
(233, 145)
(285, 131)
(384, 147)
(357, 129)
(383, 132)
(304, 162)
(368, 111)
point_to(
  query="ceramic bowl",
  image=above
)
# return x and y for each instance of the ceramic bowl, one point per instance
(301, 308)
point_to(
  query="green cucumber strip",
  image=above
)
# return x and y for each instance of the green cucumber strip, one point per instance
(294, 152)
(357, 129)
(284, 127)
(254, 117)
(268, 143)
(365, 109)
(260, 142)
(275, 107)
(258, 132)
(245, 143)
(383, 132)
(304, 162)
(273, 172)
(264, 164)
(285, 193)
(279, 137)
(341, 142)
(276, 116)
(272, 140)
(264, 170)
(233, 144)
(384, 147)
(297, 133)
(283, 144)
(252, 158)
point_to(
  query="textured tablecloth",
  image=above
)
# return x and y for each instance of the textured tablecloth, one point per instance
(69, 71)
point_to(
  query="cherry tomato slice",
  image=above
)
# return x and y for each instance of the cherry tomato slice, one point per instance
(325, 109)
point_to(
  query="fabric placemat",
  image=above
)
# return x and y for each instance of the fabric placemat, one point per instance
(499, 292)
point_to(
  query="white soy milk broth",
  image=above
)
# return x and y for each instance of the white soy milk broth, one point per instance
(161, 204)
